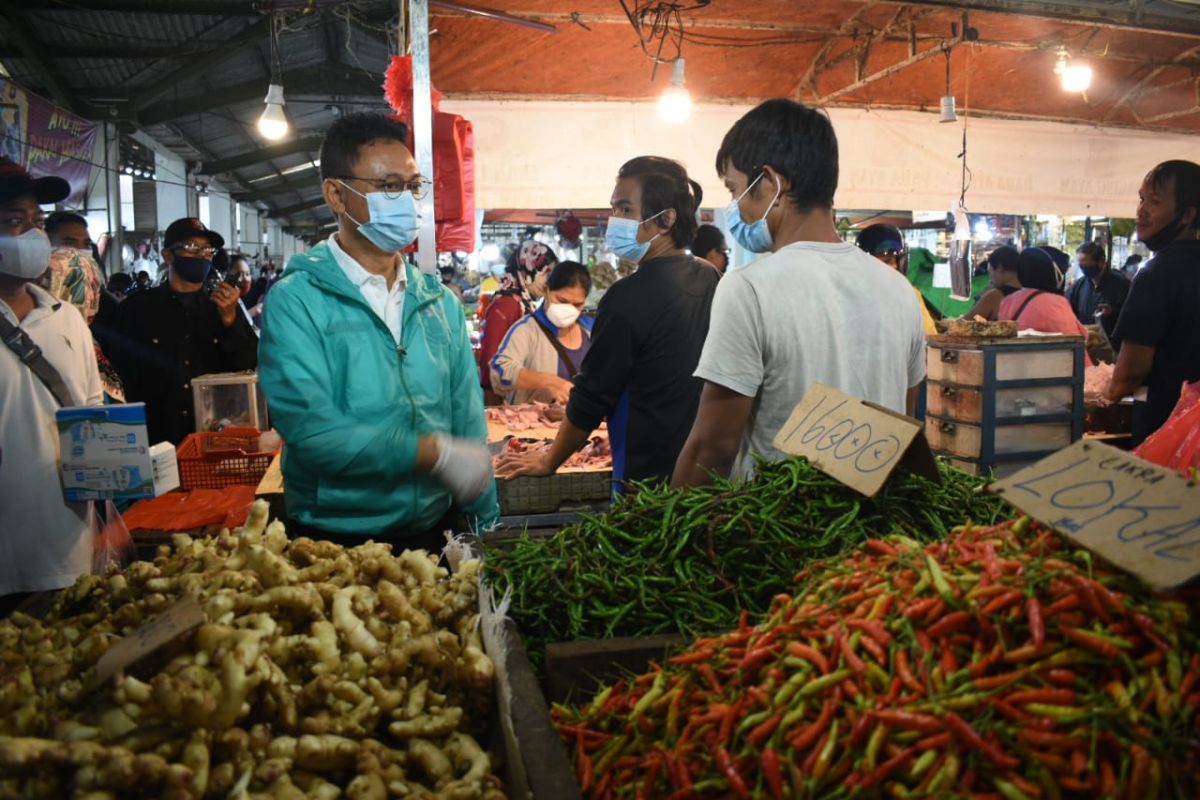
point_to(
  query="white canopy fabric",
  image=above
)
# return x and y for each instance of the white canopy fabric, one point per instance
(556, 154)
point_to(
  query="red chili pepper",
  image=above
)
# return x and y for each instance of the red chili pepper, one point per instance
(1065, 697)
(1037, 628)
(754, 660)
(1090, 598)
(1068, 602)
(1078, 761)
(881, 772)
(765, 729)
(694, 657)
(1059, 677)
(937, 741)
(1057, 741)
(803, 739)
(875, 649)
(909, 720)
(989, 561)
(964, 731)
(949, 661)
(731, 774)
(1001, 602)
(1024, 653)
(948, 624)
(1052, 761)
(1090, 641)
(905, 673)
(920, 607)
(852, 660)
(873, 628)
(980, 667)
(809, 654)
(996, 681)
(706, 672)
(774, 778)
(1108, 780)
(935, 613)
(880, 547)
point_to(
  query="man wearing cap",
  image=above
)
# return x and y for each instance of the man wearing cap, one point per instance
(886, 243)
(45, 542)
(163, 337)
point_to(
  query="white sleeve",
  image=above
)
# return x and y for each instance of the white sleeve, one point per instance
(733, 354)
(916, 350)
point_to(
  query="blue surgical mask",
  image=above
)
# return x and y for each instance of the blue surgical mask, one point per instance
(621, 237)
(753, 236)
(393, 223)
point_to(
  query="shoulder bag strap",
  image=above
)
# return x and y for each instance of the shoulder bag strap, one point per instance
(562, 351)
(1026, 302)
(31, 356)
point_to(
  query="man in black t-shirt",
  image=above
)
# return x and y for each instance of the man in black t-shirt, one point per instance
(1159, 328)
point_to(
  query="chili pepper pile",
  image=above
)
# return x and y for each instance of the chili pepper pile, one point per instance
(998, 664)
(689, 561)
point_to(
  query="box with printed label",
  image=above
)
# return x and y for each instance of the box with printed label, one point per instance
(105, 452)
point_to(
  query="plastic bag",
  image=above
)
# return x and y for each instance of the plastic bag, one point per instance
(1176, 445)
(114, 548)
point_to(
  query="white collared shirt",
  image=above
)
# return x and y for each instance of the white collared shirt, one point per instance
(45, 542)
(387, 304)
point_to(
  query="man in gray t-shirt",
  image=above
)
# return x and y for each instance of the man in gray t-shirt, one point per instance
(814, 310)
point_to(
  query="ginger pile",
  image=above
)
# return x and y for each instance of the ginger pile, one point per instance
(321, 672)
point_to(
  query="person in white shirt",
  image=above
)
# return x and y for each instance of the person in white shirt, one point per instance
(816, 309)
(45, 542)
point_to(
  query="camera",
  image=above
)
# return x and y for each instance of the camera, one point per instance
(216, 277)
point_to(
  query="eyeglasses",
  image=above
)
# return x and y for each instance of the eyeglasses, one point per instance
(195, 250)
(394, 187)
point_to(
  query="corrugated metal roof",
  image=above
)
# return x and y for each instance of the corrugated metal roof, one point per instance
(1146, 56)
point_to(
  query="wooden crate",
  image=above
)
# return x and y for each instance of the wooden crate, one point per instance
(967, 440)
(576, 670)
(995, 403)
(973, 362)
(967, 403)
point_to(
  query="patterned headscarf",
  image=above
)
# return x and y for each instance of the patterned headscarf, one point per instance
(529, 261)
(75, 278)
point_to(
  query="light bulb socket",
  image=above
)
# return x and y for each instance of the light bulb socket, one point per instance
(677, 72)
(275, 95)
(948, 114)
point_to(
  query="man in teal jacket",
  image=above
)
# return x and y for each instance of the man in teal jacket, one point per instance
(367, 366)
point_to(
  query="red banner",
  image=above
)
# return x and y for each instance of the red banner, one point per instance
(45, 139)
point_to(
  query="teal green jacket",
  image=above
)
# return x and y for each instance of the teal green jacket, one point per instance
(350, 405)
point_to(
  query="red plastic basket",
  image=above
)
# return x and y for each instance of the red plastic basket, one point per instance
(225, 458)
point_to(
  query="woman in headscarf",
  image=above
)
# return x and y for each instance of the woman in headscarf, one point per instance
(524, 283)
(74, 277)
(1039, 305)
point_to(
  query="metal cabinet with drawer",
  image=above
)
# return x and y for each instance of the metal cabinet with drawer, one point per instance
(996, 405)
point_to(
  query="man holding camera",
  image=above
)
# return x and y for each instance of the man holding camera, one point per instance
(192, 325)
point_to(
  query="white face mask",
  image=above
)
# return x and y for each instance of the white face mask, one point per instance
(26, 256)
(563, 315)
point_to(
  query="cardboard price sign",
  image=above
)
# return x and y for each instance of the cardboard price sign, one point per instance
(853, 441)
(1137, 515)
(180, 618)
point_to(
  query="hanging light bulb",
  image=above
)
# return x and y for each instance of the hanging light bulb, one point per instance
(1074, 76)
(1077, 77)
(948, 114)
(273, 124)
(675, 104)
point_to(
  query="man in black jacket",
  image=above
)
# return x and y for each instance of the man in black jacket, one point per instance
(1098, 290)
(164, 336)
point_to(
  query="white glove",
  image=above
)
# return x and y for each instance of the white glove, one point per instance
(463, 466)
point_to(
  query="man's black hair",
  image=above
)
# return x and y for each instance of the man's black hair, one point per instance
(1004, 257)
(1093, 250)
(708, 238)
(347, 135)
(57, 219)
(798, 142)
(1037, 270)
(120, 282)
(569, 273)
(1186, 178)
(665, 184)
